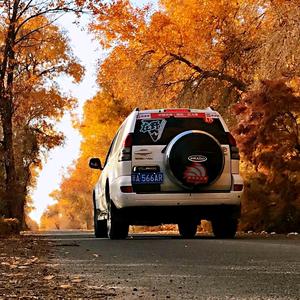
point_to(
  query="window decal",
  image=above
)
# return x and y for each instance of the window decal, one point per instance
(153, 128)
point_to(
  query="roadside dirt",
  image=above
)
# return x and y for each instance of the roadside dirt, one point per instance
(27, 271)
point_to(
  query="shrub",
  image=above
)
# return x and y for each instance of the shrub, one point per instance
(9, 226)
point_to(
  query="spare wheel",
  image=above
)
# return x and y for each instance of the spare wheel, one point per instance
(194, 158)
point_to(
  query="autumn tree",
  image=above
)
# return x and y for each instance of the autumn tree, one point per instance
(195, 53)
(51, 218)
(269, 137)
(189, 52)
(33, 52)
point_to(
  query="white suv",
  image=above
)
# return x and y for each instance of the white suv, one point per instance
(169, 166)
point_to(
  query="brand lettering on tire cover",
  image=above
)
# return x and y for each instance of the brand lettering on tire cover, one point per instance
(197, 158)
(195, 174)
(154, 128)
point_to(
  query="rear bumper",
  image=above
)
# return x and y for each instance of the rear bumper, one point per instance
(123, 200)
(156, 215)
(132, 199)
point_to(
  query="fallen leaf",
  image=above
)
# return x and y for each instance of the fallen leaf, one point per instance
(23, 267)
(13, 266)
(95, 287)
(49, 277)
(65, 286)
(52, 265)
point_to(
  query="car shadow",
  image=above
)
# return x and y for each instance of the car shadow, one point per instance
(160, 236)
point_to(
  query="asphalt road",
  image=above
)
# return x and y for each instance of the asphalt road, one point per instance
(168, 267)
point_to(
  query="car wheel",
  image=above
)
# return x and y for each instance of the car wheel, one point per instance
(187, 229)
(100, 226)
(116, 227)
(224, 228)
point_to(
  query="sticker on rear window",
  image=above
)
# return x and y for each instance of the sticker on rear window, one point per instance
(154, 128)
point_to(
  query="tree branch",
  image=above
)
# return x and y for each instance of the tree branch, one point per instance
(24, 9)
(45, 11)
(36, 30)
(240, 85)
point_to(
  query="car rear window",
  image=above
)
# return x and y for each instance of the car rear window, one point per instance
(162, 131)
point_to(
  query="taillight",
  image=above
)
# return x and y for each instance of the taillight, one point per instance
(238, 187)
(128, 141)
(231, 139)
(126, 149)
(234, 150)
(126, 189)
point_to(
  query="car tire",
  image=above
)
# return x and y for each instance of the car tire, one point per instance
(224, 228)
(117, 228)
(187, 229)
(100, 226)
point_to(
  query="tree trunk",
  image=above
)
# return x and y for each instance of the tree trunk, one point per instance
(12, 210)
(9, 161)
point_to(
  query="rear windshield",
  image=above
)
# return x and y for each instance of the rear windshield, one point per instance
(162, 131)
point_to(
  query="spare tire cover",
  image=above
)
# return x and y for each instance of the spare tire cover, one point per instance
(194, 159)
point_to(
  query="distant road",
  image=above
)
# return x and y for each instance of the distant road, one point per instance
(168, 267)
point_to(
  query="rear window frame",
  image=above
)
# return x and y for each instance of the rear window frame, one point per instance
(219, 133)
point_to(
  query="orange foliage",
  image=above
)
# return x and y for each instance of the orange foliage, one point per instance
(268, 135)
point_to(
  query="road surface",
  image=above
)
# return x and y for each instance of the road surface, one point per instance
(168, 267)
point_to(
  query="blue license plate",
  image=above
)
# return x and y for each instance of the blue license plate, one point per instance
(147, 178)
